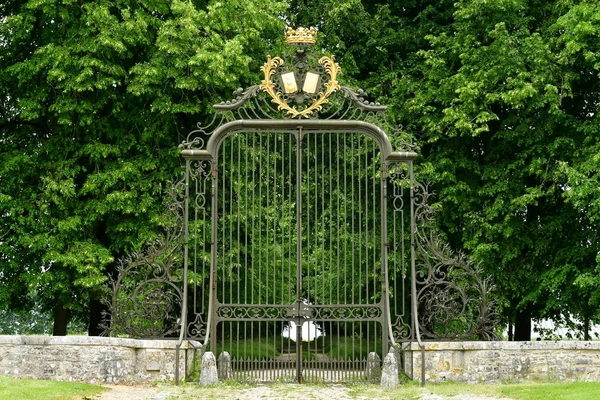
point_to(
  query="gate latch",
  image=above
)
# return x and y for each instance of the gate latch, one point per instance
(299, 310)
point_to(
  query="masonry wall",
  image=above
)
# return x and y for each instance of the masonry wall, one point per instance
(127, 361)
(94, 359)
(473, 362)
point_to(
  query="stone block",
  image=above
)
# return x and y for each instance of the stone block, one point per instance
(373, 372)
(208, 372)
(389, 373)
(224, 366)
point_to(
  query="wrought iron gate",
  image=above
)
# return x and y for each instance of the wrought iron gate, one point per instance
(289, 222)
(300, 245)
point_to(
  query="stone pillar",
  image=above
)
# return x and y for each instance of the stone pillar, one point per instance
(389, 374)
(208, 372)
(373, 372)
(224, 366)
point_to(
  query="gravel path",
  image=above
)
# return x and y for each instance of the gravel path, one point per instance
(287, 392)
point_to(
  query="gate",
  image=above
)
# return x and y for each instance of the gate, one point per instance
(299, 288)
(289, 222)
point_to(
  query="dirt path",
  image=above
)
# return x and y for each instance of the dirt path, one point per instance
(284, 392)
(122, 392)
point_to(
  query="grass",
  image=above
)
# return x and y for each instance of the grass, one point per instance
(522, 391)
(28, 389)
(31, 389)
(255, 349)
(553, 391)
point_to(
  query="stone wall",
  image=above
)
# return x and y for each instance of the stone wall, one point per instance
(94, 359)
(473, 362)
(126, 361)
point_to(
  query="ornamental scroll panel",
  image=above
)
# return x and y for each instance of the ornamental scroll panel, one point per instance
(453, 296)
(144, 297)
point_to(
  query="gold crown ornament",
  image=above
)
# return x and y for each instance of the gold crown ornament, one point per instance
(301, 36)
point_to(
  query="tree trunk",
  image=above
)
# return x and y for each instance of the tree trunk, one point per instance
(523, 325)
(61, 319)
(510, 331)
(586, 328)
(96, 310)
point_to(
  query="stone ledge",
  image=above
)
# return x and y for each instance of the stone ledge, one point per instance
(96, 341)
(473, 362)
(502, 345)
(94, 359)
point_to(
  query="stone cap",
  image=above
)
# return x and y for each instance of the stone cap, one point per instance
(97, 341)
(503, 345)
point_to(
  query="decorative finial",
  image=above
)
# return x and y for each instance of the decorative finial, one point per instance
(301, 36)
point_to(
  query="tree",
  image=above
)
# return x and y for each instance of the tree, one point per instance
(578, 49)
(492, 99)
(97, 95)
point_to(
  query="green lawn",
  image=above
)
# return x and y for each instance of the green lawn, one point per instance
(30, 389)
(553, 391)
(525, 391)
(342, 347)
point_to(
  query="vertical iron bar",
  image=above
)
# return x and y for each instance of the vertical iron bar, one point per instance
(260, 300)
(415, 315)
(331, 219)
(268, 194)
(384, 260)
(284, 139)
(185, 265)
(299, 252)
(213, 261)
(246, 208)
(338, 220)
(230, 258)
(253, 216)
(367, 218)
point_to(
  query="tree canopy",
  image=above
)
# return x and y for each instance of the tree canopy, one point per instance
(96, 97)
(502, 97)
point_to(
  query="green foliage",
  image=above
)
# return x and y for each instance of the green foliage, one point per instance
(503, 96)
(30, 322)
(95, 95)
(562, 391)
(252, 349)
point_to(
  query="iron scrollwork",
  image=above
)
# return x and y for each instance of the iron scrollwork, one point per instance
(453, 298)
(273, 89)
(268, 312)
(398, 250)
(145, 294)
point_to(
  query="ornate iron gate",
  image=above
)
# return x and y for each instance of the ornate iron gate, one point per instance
(288, 215)
(300, 239)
